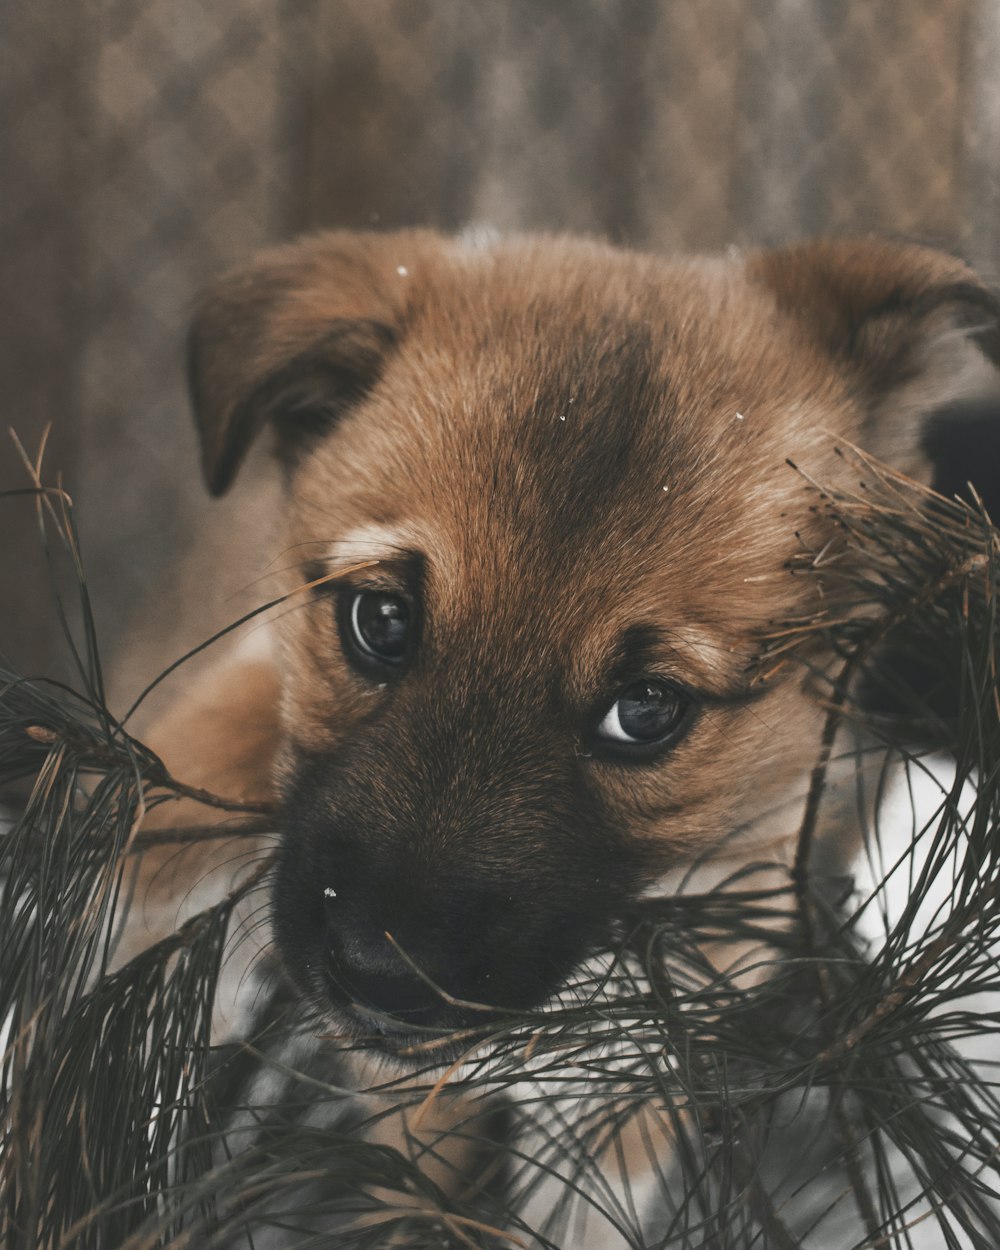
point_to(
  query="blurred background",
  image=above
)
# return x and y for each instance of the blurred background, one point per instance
(144, 147)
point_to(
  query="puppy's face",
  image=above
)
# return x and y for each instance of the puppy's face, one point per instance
(550, 483)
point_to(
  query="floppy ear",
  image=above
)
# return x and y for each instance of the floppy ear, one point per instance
(908, 325)
(296, 338)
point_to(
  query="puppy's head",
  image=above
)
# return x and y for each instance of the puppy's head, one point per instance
(569, 466)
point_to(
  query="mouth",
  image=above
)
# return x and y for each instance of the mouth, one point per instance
(433, 1033)
(413, 1044)
(430, 1038)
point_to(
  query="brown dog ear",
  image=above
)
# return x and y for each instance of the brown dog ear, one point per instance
(903, 322)
(296, 338)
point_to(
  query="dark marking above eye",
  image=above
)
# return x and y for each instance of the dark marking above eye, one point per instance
(400, 573)
(640, 650)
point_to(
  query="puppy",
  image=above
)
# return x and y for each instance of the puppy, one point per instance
(541, 493)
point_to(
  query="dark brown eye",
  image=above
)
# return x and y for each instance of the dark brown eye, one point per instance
(379, 625)
(645, 712)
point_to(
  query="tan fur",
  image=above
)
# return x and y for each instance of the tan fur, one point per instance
(727, 353)
(480, 437)
(222, 737)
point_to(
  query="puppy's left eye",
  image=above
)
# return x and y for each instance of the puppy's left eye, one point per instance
(646, 712)
(378, 626)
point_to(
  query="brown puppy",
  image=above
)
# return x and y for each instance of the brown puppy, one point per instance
(569, 463)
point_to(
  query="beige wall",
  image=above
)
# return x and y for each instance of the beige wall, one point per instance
(145, 146)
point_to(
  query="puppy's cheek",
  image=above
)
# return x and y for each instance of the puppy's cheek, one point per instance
(322, 702)
(320, 706)
(738, 781)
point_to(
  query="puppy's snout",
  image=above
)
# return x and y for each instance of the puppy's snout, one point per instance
(489, 903)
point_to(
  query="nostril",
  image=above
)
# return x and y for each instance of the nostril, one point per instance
(403, 996)
(367, 969)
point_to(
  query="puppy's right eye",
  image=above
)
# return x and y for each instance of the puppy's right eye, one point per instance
(647, 713)
(376, 627)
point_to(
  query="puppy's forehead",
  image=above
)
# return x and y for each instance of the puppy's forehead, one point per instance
(548, 412)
